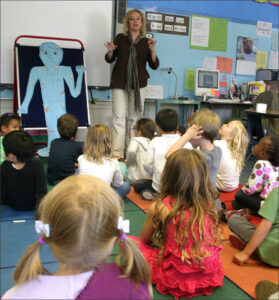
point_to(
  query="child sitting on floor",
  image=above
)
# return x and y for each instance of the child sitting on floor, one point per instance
(64, 152)
(263, 238)
(184, 224)
(23, 180)
(154, 161)
(264, 177)
(139, 145)
(234, 144)
(81, 222)
(8, 122)
(203, 129)
(98, 160)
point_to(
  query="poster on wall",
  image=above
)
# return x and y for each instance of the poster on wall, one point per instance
(208, 34)
(246, 56)
(167, 23)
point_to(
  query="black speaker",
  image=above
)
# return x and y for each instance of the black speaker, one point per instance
(121, 10)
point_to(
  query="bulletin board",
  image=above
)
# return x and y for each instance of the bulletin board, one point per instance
(28, 57)
(218, 30)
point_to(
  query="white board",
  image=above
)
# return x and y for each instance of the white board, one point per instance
(91, 22)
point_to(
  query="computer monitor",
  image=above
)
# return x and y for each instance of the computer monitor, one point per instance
(206, 81)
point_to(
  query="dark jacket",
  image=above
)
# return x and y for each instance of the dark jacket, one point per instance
(121, 54)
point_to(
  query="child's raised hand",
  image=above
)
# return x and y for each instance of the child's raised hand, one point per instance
(194, 132)
(240, 258)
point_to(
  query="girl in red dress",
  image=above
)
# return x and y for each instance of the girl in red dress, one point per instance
(184, 226)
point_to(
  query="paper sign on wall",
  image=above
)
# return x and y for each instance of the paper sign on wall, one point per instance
(154, 92)
(261, 59)
(209, 63)
(264, 28)
(273, 60)
(224, 64)
(190, 80)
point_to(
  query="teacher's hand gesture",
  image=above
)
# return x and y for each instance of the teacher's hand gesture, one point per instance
(111, 47)
(151, 44)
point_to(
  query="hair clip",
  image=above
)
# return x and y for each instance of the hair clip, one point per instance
(40, 227)
(9, 114)
(41, 241)
(123, 225)
(123, 236)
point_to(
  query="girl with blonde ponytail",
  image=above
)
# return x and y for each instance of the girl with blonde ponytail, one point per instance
(234, 143)
(81, 221)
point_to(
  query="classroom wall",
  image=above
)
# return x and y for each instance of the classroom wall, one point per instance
(173, 50)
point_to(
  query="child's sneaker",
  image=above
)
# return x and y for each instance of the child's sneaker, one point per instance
(147, 195)
(237, 242)
(245, 213)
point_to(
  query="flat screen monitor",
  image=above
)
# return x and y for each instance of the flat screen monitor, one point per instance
(206, 81)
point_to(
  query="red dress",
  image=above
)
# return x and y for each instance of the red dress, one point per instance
(172, 276)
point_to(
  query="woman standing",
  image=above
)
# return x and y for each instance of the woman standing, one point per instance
(129, 76)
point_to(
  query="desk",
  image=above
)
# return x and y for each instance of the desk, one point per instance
(181, 103)
(269, 114)
(227, 109)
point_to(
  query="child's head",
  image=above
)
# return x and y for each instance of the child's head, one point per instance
(82, 212)
(18, 144)
(236, 136)
(67, 126)
(268, 149)
(209, 122)
(186, 175)
(145, 127)
(186, 179)
(181, 130)
(9, 122)
(98, 143)
(167, 120)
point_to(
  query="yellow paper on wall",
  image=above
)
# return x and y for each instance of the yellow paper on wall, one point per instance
(190, 80)
(261, 59)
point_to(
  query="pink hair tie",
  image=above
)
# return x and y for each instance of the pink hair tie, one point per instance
(123, 236)
(41, 241)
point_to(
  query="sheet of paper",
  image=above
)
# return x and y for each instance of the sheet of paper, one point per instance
(273, 60)
(223, 84)
(224, 64)
(264, 28)
(154, 92)
(261, 59)
(224, 77)
(190, 80)
(200, 31)
(209, 63)
(245, 67)
(275, 40)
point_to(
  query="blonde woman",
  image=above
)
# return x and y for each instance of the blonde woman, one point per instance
(81, 223)
(234, 143)
(98, 160)
(131, 50)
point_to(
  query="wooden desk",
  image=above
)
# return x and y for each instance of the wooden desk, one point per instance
(269, 114)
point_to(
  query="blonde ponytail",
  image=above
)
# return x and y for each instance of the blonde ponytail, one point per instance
(30, 266)
(134, 264)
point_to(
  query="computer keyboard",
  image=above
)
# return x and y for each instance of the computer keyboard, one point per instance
(223, 100)
(217, 100)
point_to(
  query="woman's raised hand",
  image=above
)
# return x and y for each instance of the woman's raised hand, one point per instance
(151, 44)
(110, 45)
